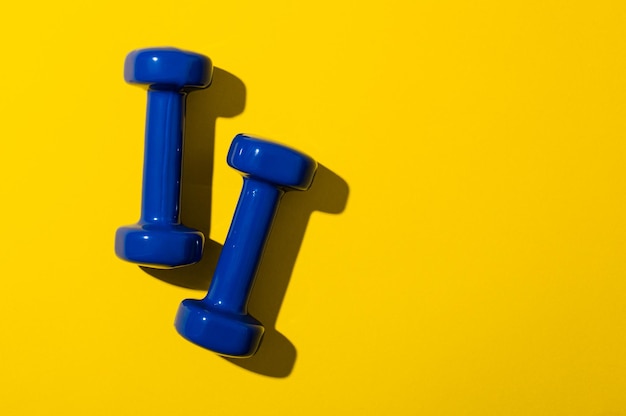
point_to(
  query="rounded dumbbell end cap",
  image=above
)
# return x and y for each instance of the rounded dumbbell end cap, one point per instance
(225, 333)
(168, 69)
(158, 245)
(271, 162)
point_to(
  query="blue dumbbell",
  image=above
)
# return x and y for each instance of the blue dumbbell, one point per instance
(159, 239)
(220, 322)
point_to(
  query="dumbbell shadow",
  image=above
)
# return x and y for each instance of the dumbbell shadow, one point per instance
(224, 98)
(328, 193)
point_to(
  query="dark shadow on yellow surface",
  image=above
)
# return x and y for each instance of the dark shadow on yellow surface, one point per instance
(225, 97)
(329, 193)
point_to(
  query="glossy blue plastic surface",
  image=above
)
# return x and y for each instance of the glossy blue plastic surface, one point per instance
(220, 322)
(159, 239)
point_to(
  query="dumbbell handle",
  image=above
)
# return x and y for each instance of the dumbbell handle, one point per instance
(240, 257)
(163, 157)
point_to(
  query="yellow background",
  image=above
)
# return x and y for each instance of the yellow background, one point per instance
(462, 251)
